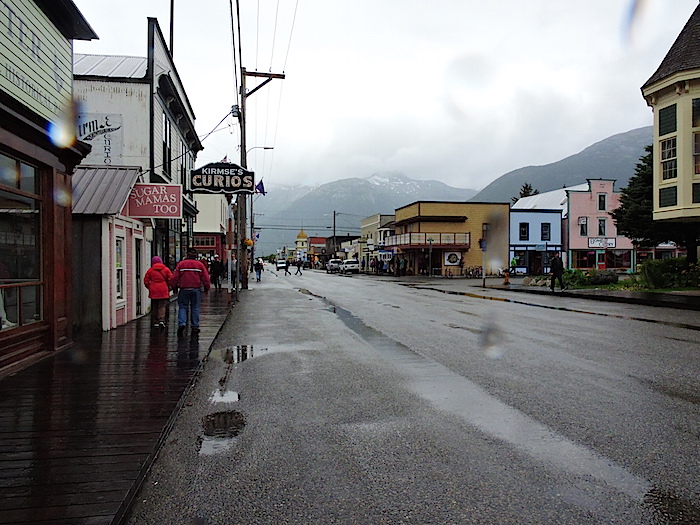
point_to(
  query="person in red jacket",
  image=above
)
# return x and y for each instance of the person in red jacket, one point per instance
(190, 276)
(157, 280)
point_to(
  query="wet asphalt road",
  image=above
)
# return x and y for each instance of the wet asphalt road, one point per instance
(352, 399)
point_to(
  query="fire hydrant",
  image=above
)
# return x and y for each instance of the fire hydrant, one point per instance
(506, 274)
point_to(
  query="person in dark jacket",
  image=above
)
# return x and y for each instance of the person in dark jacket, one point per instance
(217, 272)
(191, 277)
(157, 280)
(258, 269)
(556, 269)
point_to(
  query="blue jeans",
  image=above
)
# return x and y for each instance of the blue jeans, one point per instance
(188, 298)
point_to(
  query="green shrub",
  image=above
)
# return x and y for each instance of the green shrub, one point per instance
(669, 273)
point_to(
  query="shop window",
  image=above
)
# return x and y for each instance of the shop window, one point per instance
(119, 264)
(20, 245)
(618, 259)
(524, 231)
(546, 231)
(584, 259)
(601, 227)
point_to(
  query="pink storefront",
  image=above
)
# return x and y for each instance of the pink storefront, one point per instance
(592, 234)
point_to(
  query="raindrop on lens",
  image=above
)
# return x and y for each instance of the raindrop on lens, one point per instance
(492, 341)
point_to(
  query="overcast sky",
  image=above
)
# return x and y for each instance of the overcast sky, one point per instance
(461, 91)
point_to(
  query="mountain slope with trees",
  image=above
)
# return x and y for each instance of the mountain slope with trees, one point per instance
(611, 158)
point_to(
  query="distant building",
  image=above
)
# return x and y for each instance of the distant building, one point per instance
(374, 230)
(530, 256)
(592, 234)
(444, 238)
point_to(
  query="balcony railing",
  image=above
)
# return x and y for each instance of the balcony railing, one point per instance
(426, 239)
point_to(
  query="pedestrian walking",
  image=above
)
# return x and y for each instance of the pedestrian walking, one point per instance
(191, 277)
(556, 269)
(157, 280)
(286, 268)
(258, 269)
(217, 272)
(298, 264)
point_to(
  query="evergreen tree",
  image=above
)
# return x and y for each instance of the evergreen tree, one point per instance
(634, 218)
(525, 191)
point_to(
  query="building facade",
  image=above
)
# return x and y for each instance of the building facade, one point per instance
(38, 154)
(134, 111)
(592, 234)
(534, 237)
(443, 238)
(673, 92)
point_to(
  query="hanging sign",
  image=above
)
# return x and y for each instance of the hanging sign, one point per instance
(155, 201)
(222, 177)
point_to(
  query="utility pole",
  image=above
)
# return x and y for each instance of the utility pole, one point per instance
(242, 212)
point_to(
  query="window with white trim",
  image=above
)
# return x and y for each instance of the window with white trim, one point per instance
(669, 162)
(119, 266)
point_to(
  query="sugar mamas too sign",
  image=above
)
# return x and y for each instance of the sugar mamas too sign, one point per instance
(221, 177)
(155, 201)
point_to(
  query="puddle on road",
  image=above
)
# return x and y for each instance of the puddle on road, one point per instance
(220, 430)
(461, 397)
(668, 508)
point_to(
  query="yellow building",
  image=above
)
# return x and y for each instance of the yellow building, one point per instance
(301, 245)
(673, 92)
(442, 238)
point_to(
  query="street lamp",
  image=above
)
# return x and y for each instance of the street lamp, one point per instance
(252, 215)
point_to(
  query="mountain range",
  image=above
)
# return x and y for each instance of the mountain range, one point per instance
(339, 206)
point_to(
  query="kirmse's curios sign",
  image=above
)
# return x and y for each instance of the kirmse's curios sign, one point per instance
(222, 177)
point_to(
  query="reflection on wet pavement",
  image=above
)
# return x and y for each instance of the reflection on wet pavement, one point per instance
(219, 431)
(459, 396)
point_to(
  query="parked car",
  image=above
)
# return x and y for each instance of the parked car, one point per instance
(281, 264)
(350, 266)
(307, 265)
(333, 265)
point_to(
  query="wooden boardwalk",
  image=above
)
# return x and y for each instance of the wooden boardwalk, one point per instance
(79, 430)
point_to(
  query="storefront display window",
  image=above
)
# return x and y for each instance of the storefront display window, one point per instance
(20, 244)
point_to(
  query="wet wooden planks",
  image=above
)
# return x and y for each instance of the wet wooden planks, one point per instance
(79, 430)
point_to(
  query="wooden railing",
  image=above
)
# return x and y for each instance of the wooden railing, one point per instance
(426, 239)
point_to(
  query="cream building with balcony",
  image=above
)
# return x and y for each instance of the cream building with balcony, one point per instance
(442, 238)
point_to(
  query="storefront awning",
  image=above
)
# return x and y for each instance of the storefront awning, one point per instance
(101, 190)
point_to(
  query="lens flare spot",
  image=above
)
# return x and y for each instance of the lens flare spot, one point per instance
(9, 176)
(62, 198)
(62, 131)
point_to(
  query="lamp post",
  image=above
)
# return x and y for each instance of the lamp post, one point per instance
(252, 215)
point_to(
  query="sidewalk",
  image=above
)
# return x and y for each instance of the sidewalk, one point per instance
(684, 300)
(79, 430)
